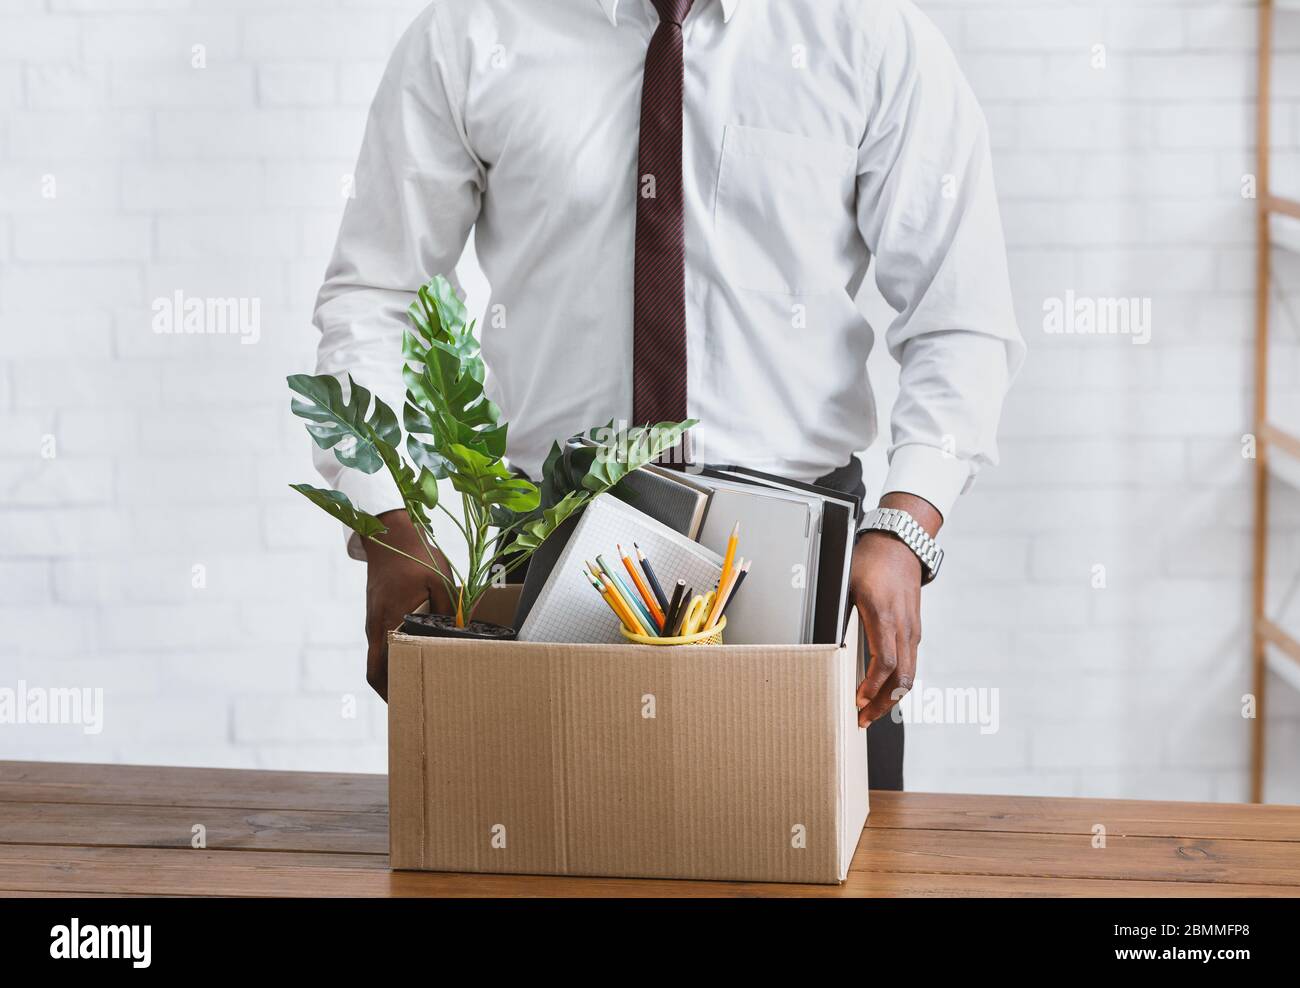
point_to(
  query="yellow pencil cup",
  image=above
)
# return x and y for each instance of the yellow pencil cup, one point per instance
(711, 636)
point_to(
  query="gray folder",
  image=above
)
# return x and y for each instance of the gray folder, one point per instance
(779, 532)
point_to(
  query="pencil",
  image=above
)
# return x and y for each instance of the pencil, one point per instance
(679, 619)
(723, 594)
(625, 616)
(730, 557)
(729, 567)
(630, 596)
(728, 561)
(625, 610)
(670, 615)
(609, 599)
(656, 611)
(629, 619)
(654, 580)
(735, 587)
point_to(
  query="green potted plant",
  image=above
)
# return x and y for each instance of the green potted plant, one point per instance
(454, 433)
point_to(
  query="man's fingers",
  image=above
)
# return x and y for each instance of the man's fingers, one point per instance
(902, 672)
(882, 649)
(885, 701)
(905, 674)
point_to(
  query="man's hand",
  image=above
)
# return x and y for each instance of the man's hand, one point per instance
(395, 586)
(885, 584)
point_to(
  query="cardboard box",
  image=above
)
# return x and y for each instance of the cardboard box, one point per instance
(736, 762)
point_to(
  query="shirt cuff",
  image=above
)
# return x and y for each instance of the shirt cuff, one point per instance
(373, 493)
(929, 473)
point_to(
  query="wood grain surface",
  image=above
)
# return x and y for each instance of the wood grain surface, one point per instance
(68, 829)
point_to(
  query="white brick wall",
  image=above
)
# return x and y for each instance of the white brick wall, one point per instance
(174, 452)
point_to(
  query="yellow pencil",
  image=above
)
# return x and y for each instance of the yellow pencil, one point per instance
(623, 594)
(625, 613)
(728, 562)
(730, 557)
(604, 595)
(724, 593)
(612, 601)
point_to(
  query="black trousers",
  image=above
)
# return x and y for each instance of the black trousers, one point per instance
(885, 736)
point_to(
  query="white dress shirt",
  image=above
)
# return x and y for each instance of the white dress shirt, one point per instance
(816, 135)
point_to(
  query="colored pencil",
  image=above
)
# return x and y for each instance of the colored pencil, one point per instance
(608, 597)
(634, 601)
(626, 615)
(652, 578)
(647, 597)
(630, 596)
(723, 594)
(728, 561)
(730, 557)
(735, 587)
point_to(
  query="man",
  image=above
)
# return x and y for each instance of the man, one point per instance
(675, 204)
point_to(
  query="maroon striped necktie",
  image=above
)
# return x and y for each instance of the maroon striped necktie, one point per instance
(659, 302)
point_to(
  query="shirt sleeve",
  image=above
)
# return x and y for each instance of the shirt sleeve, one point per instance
(417, 190)
(927, 209)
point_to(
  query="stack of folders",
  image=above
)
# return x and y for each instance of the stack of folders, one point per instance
(800, 538)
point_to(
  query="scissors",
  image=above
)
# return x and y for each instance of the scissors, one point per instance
(696, 613)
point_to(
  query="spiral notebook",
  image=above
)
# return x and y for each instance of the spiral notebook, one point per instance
(569, 610)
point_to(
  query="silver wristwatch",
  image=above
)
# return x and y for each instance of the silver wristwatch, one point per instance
(905, 528)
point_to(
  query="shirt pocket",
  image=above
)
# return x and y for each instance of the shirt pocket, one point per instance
(783, 211)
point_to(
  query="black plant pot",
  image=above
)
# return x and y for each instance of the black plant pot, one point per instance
(444, 626)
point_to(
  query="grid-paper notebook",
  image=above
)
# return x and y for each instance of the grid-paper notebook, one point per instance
(666, 495)
(569, 610)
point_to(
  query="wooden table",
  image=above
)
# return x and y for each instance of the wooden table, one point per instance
(126, 830)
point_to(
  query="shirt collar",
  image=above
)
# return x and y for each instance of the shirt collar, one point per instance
(611, 9)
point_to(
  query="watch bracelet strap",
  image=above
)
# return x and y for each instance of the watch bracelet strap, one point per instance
(908, 530)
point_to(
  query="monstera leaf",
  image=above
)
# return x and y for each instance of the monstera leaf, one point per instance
(338, 505)
(620, 453)
(563, 471)
(444, 376)
(443, 429)
(419, 491)
(438, 312)
(574, 474)
(347, 426)
(486, 481)
(426, 457)
(608, 456)
(534, 533)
